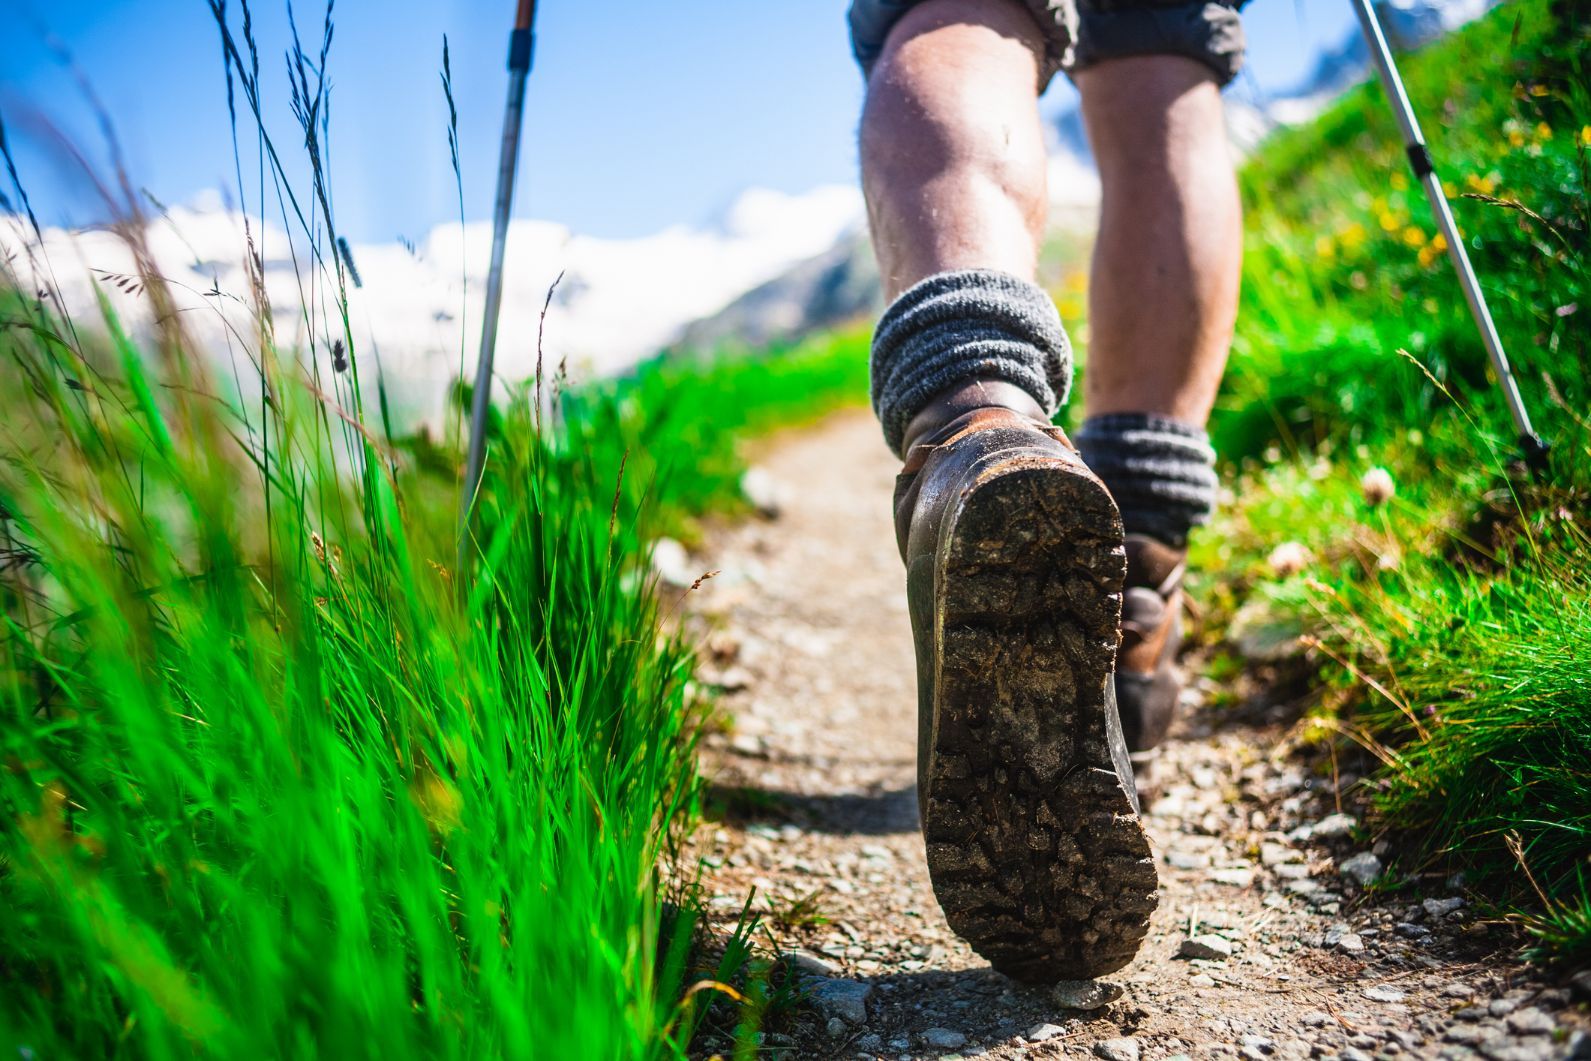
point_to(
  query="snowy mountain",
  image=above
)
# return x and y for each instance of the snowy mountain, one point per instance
(419, 305)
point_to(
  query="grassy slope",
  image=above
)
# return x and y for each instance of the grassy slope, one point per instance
(1467, 598)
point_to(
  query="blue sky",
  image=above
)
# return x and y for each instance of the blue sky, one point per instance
(639, 114)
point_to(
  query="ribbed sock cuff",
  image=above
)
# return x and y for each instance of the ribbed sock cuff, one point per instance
(965, 325)
(1160, 471)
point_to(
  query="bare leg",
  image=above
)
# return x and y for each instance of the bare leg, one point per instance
(953, 159)
(1164, 293)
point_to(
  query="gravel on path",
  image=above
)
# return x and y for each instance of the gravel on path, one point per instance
(1266, 944)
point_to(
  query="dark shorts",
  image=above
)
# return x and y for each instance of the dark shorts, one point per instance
(1080, 33)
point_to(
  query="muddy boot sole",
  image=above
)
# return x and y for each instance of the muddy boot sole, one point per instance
(1035, 847)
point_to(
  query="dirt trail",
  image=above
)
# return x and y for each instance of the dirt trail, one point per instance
(1261, 946)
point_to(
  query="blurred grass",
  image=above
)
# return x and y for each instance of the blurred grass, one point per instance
(277, 778)
(1464, 598)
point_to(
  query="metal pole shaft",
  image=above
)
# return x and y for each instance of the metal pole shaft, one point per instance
(1425, 172)
(519, 58)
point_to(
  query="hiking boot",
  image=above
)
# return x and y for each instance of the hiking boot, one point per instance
(1015, 562)
(1148, 683)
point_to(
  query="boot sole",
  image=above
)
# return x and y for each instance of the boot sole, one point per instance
(1035, 848)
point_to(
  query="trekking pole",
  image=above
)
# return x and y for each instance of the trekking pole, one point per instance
(519, 52)
(1532, 445)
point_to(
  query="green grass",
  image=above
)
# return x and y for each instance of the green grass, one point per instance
(1454, 619)
(277, 780)
(278, 777)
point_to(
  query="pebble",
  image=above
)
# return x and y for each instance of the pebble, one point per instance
(1237, 878)
(1580, 984)
(672, 563)
(1333, 827)
(1384, 993)
(846, 999)
(1084, 994)
(1353, 1053)
(763, 491)
(1124, 1049)
(809, 964)
(1362, 868)
(1213, 948)
(1350, 943)
(836, 1027)
(943, 1039)
(1409, 930)
(871, 1043)
(1043, 1033)
(1531, 1021)
(1442, 907)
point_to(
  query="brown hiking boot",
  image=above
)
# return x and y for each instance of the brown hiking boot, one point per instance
(1148, 683)
(1015, 561)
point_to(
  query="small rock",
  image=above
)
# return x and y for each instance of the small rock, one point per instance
(1125, 1049)
(1350, 943)
(1212, 948)
(1237, 878)
(672, 563)
(1442, 907)
(1043, 1033)
(846, 999)
(1353, 1053)
(805, 963)
(871, 1043)
(763, 491)
(1502, 1007)
(1409, 930)
(1384, 993)
(1186, 859)
(1273, 854)
(1471, 1013)
(943, 1039)
(1464, 1034)
(748, 744)
(1458, 990)
(1084, 994)
(1362, 868)
(1258, 1043)
(1201, 980)
(1531, 1021)
(837, 1027)
(1333, 827)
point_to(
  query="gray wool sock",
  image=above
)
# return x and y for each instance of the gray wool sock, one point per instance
(969, 324)
(1160, 471)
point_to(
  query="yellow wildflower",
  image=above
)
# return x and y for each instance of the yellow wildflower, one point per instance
(1413, 236)
(1585, 136)
(1399, 181)
(1325, 247)
(1543, 131)
(1353, 236)
(1484, 185)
